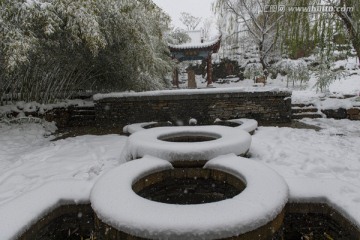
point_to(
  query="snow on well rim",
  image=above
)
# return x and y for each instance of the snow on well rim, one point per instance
(340, 195)
(24, 211)
(135, 127)
(116, 204)
(248, 125)
(147, 142)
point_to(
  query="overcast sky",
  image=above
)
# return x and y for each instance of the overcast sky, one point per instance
(197, 8)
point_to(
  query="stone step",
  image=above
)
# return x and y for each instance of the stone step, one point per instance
(80, 120)
(82, 112)
(88, 108)
(304, 110)
(84, 117)
(302, 105)
(306, 115)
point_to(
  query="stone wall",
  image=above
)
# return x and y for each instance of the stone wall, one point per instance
(302, 221)
(353, 113)
(265, 107)
(342, 113)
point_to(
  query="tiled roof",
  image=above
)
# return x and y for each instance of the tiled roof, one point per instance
(195, 42)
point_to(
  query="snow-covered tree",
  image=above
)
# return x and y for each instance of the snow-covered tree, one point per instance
(251, 19)
(350, 17)
(206, 28)
(316, 28)
(296, 71)
(49, 47)
(325, 75)
(178, 36)
(253, 70)
(190, 21)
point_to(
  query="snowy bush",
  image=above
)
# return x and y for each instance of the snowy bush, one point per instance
(325, 76)
(296, 71)
(253, 70)
(51, 48)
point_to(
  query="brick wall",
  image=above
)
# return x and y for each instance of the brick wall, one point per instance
(265, 107)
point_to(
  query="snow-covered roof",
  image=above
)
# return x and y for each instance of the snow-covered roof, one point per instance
(197, 41)
(116, 204)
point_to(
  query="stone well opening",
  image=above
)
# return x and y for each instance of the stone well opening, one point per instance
(189, 186)
(190, 137)
(227, 123)
(158, 124)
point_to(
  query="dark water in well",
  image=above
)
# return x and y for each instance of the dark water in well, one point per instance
(189, 191)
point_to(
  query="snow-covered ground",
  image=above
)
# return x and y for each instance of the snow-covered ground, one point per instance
(28, 159)
(30, 162)
(332, 152)
(307, 93)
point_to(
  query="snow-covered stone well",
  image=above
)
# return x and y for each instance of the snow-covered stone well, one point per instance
(248, 125)
(251, 208)
(190, 146)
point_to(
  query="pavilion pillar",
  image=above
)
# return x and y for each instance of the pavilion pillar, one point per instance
(209, 71)
(176, 78)
(191, 79)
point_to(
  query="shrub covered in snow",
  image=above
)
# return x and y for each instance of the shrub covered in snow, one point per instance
(50, 48)
(296, 70)
(253, 70)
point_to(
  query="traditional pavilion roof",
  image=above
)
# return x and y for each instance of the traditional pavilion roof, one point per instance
(196, 49)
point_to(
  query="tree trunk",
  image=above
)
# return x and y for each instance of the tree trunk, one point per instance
(209, 71)
(262, 55)
(176, 78)
(356, 45)
(262, 61)
(354, 36)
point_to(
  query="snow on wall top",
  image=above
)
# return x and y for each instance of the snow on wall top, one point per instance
(116, 204)
(22, 106)
(98, 97)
